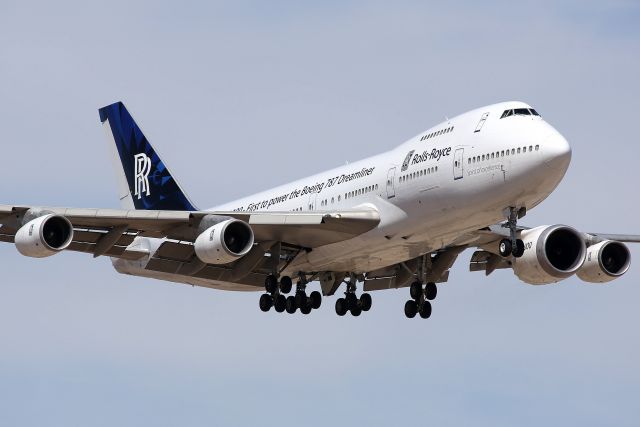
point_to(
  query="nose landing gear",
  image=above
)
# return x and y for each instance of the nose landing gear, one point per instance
(512, 245)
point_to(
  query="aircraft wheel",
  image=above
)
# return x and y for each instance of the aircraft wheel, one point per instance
(356, 311)
(301, 299)
(365, 302)
(415, 290)
(425, 310)
(505, 247)
(270, 283)
(280, 303)
(519, 249)
(352, 300)
(285, 284)
(316, 300)
(306, 309)
(430, 291)
(291, 304)
(341, 306)
(266, 301)
(410, 309)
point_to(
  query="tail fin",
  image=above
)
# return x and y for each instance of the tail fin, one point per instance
(145, 181)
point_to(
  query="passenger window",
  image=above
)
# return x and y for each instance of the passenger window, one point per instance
(530, 148)
(492, 155)
(518, 150)
(537, 147)
(513, 151)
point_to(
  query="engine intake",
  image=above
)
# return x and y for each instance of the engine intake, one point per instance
(605, 261)
(224, 242)
(44, 236)
(552, 253)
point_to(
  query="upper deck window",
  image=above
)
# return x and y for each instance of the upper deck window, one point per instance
(520, 112)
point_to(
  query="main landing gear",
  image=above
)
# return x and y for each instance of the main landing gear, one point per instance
(351, 303)
(420, 299)
(275, 296)
(512, 245)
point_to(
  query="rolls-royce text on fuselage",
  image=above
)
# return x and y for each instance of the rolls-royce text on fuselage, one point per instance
(395, 220)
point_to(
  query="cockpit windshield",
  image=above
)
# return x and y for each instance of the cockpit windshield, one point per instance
(519, 112)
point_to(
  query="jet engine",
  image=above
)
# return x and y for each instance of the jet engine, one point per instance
(44, 236)
(224, 242)
(552, 253)
(605, 261)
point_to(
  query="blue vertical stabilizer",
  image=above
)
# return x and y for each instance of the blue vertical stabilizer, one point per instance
(149, 184)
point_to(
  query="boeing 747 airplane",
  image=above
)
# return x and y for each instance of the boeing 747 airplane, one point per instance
(398, 219)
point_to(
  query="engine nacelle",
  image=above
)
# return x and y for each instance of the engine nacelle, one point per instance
(605, 261)
(224, 242)
(552, 253)
(44, 236)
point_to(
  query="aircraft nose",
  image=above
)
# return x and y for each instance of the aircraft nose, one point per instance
(558, 152)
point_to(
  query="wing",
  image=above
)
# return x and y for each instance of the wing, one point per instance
(111, 231)
(435, 266)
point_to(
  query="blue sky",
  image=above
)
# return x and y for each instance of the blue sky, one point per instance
(270, 92)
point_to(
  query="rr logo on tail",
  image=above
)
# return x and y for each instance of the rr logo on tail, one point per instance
(142, 165)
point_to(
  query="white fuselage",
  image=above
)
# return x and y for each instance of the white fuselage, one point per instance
(454, 178)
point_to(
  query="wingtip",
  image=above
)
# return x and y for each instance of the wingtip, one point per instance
(104, 111)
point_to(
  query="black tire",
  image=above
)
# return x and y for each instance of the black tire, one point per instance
(341, 307)
(306, 309)
(365, 302)
(266, 301)
(291, 304)
(280, 303)
(352, 300)
(301, 299)
(519, 249)
(410, 309)
(356, 311)
(271, 283)
(505, 247)
(316, 300)
(415, 290)
(425, 310)
(431, 291)
(285, 284)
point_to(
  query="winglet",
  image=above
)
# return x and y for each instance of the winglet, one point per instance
(146, 182)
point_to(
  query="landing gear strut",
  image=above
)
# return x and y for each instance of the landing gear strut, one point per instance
(420, 297)
(512, 245)
(275, 296)
(351, 303)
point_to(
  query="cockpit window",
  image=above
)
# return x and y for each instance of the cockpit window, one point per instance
(520, 112)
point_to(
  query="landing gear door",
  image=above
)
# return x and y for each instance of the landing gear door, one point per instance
(458, 158)
(391, 189)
